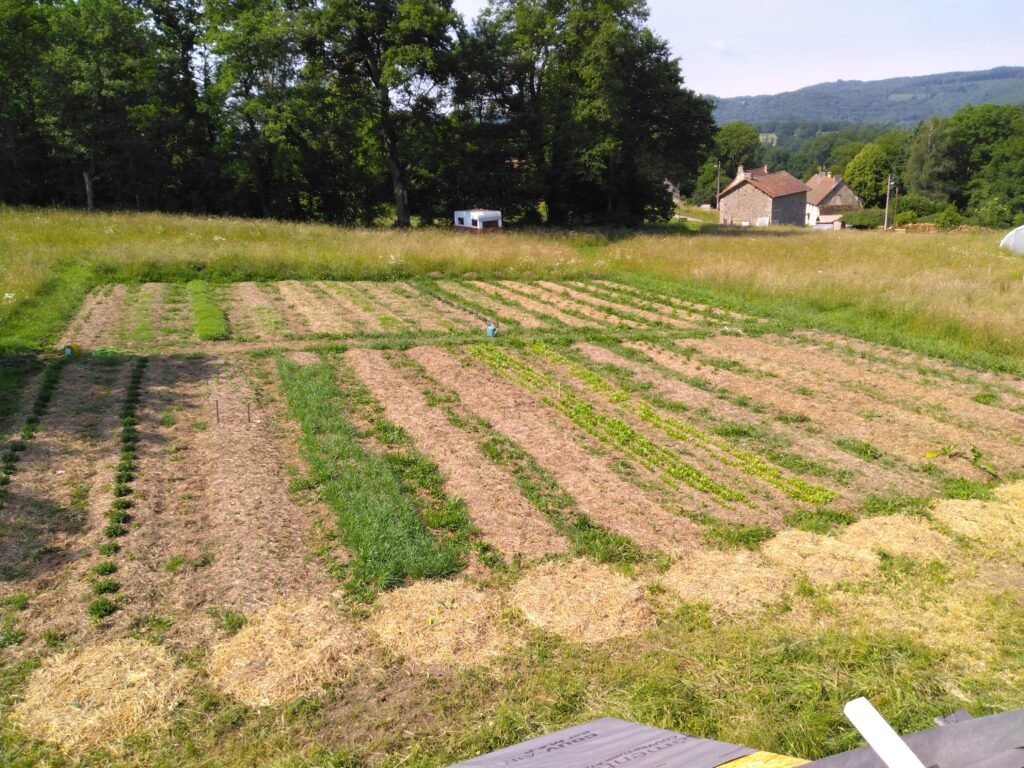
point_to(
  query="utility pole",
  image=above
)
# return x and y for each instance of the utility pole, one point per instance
(718, 183)
(888, 189)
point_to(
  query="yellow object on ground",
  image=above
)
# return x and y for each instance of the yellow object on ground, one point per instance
(765, 760)
(72, 350)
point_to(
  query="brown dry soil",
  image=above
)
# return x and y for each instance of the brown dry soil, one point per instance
(560, 448)
(507, 520)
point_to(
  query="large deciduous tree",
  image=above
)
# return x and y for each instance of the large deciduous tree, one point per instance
(868, 174)
(99, 73)
(401, 48)
(597, 105)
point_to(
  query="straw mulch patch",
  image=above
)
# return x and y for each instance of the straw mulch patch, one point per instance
(899, 535)
(447, 623)
(729, 582)
(99, 696)
(999, 523)
(823, 559)
(288, 652)
(583, 602)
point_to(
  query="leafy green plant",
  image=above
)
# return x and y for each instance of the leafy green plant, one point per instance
(105, 568)
(102, 607)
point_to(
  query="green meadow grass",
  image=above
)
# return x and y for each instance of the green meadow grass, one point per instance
(209, 321)
(378, 520)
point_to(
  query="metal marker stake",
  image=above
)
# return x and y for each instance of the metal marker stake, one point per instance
(216, 406)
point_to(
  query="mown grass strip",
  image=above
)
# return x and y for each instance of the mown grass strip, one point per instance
(377, 521)
(209, 321)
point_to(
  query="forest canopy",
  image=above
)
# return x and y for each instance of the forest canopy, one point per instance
(347, 111)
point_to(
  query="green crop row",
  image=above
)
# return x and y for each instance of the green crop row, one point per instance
(729, 454)
(12, 454)
(118, 517)
(607, 429)
(210, 322)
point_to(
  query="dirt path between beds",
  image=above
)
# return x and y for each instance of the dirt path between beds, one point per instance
(507, 520)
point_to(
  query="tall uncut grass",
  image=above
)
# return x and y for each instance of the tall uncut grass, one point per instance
(952, 293)
(956, 289)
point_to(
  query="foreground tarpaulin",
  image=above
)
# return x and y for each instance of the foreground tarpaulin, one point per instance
(996, 741)
(611, 743)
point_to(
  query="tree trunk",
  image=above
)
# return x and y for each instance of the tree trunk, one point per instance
(387, 131)
(87, 177)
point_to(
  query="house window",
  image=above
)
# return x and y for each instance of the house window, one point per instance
(462, 221)
(474, 222)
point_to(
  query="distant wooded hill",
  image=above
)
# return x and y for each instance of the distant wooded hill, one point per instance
(899, 100)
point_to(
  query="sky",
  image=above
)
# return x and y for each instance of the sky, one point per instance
(753, 47)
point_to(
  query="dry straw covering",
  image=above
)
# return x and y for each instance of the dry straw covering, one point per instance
(899, 535)
(99, 696)
(581, 601)
(729, 582)
(288, 652)
(824, 559)
(441, 623)
(998, 524)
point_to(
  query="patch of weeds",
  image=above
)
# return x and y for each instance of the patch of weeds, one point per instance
(15, 602)
(174, 563)
(859, 448)
(986, 398)
(879, 506)
(786, 417)
(962, 488)
(105, 568)
(228, 621)
(722, 535)
(151, 627)
(734, 430)
(724, 364)
(203, 561)
(899, 567)
(167, 418)
(109, 548)
(199, 426)
(54, 639)
(105, 586)
(821, 520)
(102, 607)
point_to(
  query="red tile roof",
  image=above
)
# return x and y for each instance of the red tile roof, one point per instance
(777, 184)
(821, 185)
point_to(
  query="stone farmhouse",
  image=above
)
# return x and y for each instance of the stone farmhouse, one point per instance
(828, 199)
(757, 198)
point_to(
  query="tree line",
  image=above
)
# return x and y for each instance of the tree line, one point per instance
(347, 111)
(968, 167)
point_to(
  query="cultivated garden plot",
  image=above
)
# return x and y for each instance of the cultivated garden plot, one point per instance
(343, 507)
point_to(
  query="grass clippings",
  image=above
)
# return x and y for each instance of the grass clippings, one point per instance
(997, 524)
(290, 651)
(899, 535)
(823, 559)
(448, 623)
(730, 582)
(582, 602)
(100, 696)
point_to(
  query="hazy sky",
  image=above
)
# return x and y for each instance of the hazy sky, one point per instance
(751, 47)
